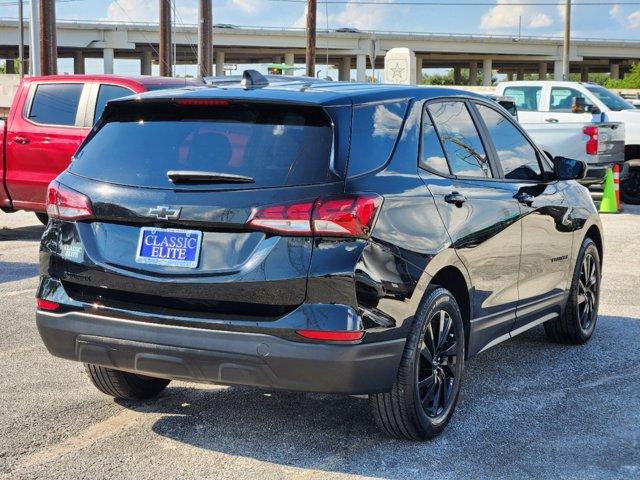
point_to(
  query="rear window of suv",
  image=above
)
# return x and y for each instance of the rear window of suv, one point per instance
(275, 145)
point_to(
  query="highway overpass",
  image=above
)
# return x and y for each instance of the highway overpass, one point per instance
(348, 51)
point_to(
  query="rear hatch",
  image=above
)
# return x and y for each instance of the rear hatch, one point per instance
(173, 184)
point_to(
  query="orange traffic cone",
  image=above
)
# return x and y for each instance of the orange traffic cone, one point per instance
(616, 184)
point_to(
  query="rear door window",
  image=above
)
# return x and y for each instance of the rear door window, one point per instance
(375, 130)
(518, 158)
(432, 155)
(275, 145)
(107, 93)
(527, 99)
(460, 139)
(56, 103)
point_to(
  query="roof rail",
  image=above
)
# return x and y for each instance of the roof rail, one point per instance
(253, 79)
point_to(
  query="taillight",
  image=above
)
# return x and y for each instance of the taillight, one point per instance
(345, 216)
(67, 204)
(592, 142)
(202, 102)
(47, 305)
(331, 336)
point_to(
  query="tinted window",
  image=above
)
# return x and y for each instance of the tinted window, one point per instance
(432, 156)
(562, 99)
(56, 103)
(374, 131)
(517, 156)
(106, 93)
(460, 138)
(277, 146)
(527, 99)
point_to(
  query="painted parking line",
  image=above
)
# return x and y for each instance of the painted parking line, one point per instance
(18, 292)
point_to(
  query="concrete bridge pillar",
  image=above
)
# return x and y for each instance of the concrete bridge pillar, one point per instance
(107, 60)
(361, 67)
(457, 77)
(542, 71)
(557, 70)
(10, 66)
(521, 74)
(219, 63)
(473, 73)
(145, 62)
(584, 74)
(344, 73)
(289, 59)
(418, 70)
(78, 62)
(487, 72)
(615, 71)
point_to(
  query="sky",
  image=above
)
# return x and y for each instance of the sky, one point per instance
(497, 17)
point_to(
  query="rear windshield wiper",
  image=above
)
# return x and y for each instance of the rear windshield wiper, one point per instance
(196, 176)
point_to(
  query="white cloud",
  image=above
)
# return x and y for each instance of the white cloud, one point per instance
(506, 15)
(354, 15)
(633, 20)
(540, 20)
(249, 7)
(148, 11)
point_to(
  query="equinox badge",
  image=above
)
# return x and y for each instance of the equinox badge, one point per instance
(165, 213)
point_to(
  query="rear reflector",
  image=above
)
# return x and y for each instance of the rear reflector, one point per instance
(331, 336)
(67, 204)
(592, 142)
(47, 305)
(345, 216)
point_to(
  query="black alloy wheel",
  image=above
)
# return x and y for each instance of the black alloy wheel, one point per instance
(630, 186)
(436, 372)
(425, 393)
(587, 291)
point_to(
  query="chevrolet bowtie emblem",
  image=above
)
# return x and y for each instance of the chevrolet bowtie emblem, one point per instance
(165, 213)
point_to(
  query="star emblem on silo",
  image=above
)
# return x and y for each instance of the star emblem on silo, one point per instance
(397, 71)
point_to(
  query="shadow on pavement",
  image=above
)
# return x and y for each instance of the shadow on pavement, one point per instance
(33, 232)
(13, 271)
(517, 400)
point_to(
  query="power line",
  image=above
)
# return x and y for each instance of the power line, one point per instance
(467, 3)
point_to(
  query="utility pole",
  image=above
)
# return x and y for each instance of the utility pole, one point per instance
(205, 40)
(21, 40)
(310, 57)
(567, 40)
(34, 39)
(48, 42)
(165, 39)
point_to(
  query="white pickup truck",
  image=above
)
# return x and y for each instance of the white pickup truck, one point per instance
(557, 103)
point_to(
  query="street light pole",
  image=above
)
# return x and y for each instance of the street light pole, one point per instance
(21, 33)
(567, 40)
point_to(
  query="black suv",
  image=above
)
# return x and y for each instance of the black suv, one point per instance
(313, 236)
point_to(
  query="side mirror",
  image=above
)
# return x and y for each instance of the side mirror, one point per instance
(578, 105)
(569, 169)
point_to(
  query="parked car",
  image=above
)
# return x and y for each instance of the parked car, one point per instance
(599, 145)
(48, 120)
(327, 237)
(541, 102)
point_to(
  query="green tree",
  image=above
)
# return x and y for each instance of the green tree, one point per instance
(630, 80)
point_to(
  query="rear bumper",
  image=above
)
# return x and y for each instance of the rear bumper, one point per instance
(225, 357)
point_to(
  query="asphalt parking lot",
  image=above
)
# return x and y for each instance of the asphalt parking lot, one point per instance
(528, 408)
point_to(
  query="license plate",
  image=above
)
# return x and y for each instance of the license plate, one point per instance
(168, 246)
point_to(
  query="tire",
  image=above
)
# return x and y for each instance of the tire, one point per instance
(578, 321)
(630, 186)
(43, 217)
(400, 413)
(124, 385)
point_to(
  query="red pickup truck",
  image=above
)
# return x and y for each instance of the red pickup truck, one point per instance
(48, 120)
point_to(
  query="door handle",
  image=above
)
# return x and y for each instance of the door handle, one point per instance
(525, 198)
(21, 140)
(455, 198)
(551, 120)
